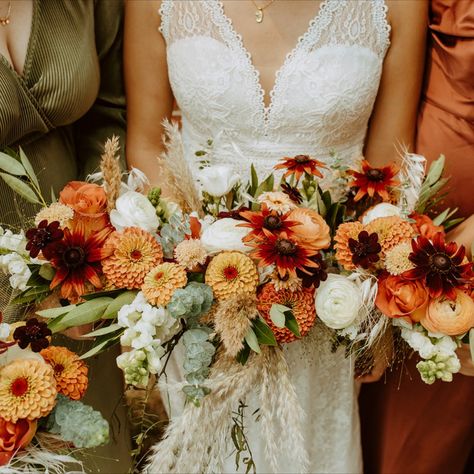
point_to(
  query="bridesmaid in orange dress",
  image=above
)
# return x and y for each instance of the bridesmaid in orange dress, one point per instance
(407, 426)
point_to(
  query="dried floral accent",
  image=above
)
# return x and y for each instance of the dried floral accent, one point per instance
(129, 256)
(231, 273)
(374, 181)
(161, 283)
(286, 282)
(33, 333)
(346, 231)
(396, 259)
(41, 238)
(391, 230)
(440, 265)
(70, 372)
(277, 201)
(232, 320)
(365, 250)
(300, 302)
(300, 165)
(190, 254)
(111, 173)
(27, 390)
(55, 212)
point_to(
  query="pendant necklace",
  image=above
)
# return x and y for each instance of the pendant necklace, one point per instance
(259, 10)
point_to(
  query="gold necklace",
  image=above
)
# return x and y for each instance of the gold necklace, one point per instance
(5, 20)
(259, 11)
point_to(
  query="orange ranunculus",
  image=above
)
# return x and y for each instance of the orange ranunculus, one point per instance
(425, 226)
(14, 436)
(312, 229)
(88, 201)
(449, 317)
(397, 298)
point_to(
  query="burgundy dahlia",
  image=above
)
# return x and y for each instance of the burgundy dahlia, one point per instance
(365, 250)
(34, 333)
(439, 265)
(40, 238)
(313, 276)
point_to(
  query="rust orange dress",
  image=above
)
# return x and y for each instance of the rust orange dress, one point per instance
(407, 426)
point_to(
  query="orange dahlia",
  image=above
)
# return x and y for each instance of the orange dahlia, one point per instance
(299, 165)
(374, 181)
(70, 372)
(230, 274)
(345, 232)
(301, 303)
(391, 230)
(161, 283)
(27, 390)
(129, 257)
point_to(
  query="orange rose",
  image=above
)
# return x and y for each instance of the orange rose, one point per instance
(398, 298)
(452, 318)
(425, 226)
(14, 436)
(88, 201)
(312, 230)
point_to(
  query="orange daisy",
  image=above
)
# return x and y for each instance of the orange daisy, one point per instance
(299, 165)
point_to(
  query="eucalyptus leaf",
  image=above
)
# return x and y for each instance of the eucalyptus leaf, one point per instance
(11, 165)
(55, 312)
(252, 341)
(95, 350)
(47, 272)
(292, 324)
(436, 170)
(21, 188)
(36, 294)
(263, 332)
(106, 330)
(277, 315)
(114, 307)
(29, 169)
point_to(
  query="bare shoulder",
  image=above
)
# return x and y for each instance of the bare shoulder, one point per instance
(405, 16)
(146, 10)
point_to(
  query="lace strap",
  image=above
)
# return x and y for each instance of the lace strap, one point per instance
(165, 14)
(383, 28)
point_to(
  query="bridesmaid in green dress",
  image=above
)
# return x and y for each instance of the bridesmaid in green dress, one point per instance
(60, 98)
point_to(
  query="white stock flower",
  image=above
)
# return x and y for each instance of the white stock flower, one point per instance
(154, 353)
(15, 266)
(217, 180)
(338, 301)
(383, 209)
(11, 241)
(225, 234)
(134, 210)
(4, 331)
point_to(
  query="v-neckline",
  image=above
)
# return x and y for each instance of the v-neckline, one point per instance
(313, 24)
(23, 76)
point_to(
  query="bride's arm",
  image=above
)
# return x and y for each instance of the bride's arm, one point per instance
(149, 96)
(393, 121)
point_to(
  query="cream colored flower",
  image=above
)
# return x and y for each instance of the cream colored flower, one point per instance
(277, 201)
(55, 212)
(396, 259)
(190, 253)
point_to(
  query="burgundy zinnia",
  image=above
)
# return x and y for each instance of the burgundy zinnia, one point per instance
(365, 250)
(34, 333)
(299, 165)
(40, 238)
(439, 265)
(313, 276)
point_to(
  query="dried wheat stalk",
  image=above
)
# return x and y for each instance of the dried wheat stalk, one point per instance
(111, 173)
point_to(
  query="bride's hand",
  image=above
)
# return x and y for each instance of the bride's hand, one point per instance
(467, 364)
(383, 356)
(463, 234)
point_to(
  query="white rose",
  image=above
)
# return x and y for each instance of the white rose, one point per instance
(383, 209)
(225, 234)
(338, 301)
(134, 210)
(218, 180)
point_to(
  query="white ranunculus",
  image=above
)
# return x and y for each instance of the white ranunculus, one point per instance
(16, 353)
(134, 210)
(225, 234)
(338, 301)
(383, 209)
(218, 180)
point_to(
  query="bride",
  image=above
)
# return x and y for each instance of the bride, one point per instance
(252, 76)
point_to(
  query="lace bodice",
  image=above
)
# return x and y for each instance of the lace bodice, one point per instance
(323, 93)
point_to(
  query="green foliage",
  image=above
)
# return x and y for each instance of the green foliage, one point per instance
(191, 302)
(174, 232)
(242, 447)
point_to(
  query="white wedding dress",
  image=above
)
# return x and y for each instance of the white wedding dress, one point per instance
(320, 105)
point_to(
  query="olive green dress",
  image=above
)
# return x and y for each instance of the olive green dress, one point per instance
(68, 100)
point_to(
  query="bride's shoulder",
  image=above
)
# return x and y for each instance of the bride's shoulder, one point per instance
(406, 15)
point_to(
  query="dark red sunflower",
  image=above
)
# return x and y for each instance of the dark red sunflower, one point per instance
(266, 222)
(285, 252)
(439, 265)
(374, 181)
(365, 250)
(76, 259)
(292, 192)
(42, 237)
(34, 333)
(299, 165)
(313, 276)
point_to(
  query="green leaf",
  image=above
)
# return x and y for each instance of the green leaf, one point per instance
(29, 169)
(277, 315)
(53, 195)
(435, 171)
(85, 313)
(97, 349)
(252, 341)
(31, 295)
(243, 355)
(55, 312)
(100, 294)
(254, 181)
(114, 307)
(263, 332)
(11, 165)
(105, 330)
(21, 188)
(292, 324)
(47, 272)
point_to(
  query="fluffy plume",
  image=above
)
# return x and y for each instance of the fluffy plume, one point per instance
(176, 177)
(111, 173)
(411, 177)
